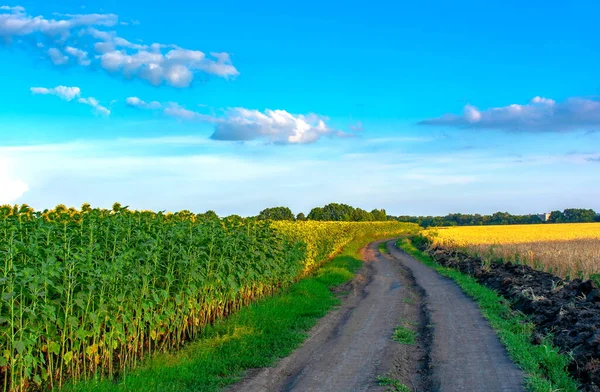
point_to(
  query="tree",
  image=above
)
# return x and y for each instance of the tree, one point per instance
(579, 215)
(301, 217)
(276, 213)
(379, 215)
(360, 215)
(331, 212)
(556, 217)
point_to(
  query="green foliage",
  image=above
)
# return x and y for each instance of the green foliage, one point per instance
(276, 213)
(404, 335)
(301, 217)
(91, 292)
(570, 215)
(574, 215)
(95, 291)
(256, 336)
(343, 212)
(208, 215)
(393, 384)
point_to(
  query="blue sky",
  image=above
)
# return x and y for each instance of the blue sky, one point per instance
(421, 108)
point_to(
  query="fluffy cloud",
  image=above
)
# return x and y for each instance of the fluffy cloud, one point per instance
(64, 92)
(69, 94)
(138, 103)
(539, 115)
(156, 63)
(57, 57)
(80, 55)
(276, 126)
(240, 124)
(16, 23)
(175, 68)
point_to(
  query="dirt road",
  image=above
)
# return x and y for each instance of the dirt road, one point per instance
(349, 348)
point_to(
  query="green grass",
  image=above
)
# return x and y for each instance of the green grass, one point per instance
(383, 247)
(254, 337)
(404, 335)
(545, 368)
(393, 384)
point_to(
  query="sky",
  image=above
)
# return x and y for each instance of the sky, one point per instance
(421, 108)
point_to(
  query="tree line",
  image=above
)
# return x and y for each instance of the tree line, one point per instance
(330, 212)
(344, 212)
(569, 215)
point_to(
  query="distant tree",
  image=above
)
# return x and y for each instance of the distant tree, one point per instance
(331, 212)
(379, 215)
(360, 215)
(208, 215)
(556, 217)
(276, 213)
(301, 217)
(574, 215)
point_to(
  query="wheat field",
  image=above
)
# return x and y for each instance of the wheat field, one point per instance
(570, 250)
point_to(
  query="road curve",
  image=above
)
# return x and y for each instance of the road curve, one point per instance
(352, 345)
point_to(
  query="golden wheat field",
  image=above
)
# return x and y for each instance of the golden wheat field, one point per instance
(568, 250)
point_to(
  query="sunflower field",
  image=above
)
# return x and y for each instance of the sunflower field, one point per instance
(90, 292)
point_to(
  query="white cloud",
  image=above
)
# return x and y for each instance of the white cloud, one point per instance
(175, 68)
(543, 100)
(80, 55)
(18, 23)
(156, 63)
(11, 189)
(70, 93)
(177, 111)
(240, 124)
(57, 57)
(276, 126)
(138, 103)
(93, 102)
(104, 171)
(539, 115)
(17, 9)
(64, 92)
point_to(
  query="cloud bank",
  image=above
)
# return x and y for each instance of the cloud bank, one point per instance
(240, 124)
(82, 40)
(277, 126)
(539, 115)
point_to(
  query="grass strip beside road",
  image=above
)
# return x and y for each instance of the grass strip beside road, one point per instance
(545, 367)
(257, 336)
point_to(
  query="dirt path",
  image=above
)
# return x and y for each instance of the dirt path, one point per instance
(466, 353)
(352, 345)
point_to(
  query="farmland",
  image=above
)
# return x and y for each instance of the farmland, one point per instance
(89, 292)
(567, 250)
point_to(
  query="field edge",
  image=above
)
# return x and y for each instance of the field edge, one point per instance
(544, 366)
(255, 337)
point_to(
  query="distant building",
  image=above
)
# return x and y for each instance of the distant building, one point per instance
(544, 217)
